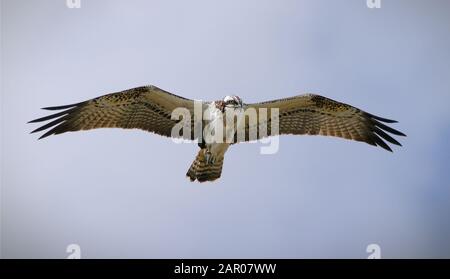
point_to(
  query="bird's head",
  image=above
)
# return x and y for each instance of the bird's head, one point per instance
(232, 101)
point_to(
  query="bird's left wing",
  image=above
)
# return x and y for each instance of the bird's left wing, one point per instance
(311, 114)
(147, 108)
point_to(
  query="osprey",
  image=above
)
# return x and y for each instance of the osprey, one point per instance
(150, 108)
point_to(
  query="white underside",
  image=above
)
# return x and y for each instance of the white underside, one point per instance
(217, 150)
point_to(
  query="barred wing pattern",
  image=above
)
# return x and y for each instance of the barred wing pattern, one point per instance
(147, 108)
(317, 115)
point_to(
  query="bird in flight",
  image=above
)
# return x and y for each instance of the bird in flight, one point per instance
(150, 108)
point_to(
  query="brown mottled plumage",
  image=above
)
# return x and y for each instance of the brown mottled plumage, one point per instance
(204, 171)
(149, 108)
(311, 114)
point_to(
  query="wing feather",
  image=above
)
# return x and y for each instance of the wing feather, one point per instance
(147, 108)
(312, 114)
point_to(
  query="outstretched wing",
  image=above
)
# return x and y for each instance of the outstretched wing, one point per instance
(316, 115)
(148, 108)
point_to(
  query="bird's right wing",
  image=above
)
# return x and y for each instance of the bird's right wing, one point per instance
(147, 108)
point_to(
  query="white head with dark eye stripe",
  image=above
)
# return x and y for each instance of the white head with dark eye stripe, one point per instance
(232, 101)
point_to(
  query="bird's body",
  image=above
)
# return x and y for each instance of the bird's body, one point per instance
(213, 150)
(150, 108)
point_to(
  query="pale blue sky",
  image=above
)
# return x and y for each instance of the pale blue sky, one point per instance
(123, 193)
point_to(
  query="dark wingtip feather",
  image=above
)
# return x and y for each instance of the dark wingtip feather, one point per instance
(50, 124)
(380, 130)
(58, 129)
(381, 143)
(387, 128)
(51, 116)
(58, 119)
(44, 136)
(63, 107)
(386, 120)
(385, 136)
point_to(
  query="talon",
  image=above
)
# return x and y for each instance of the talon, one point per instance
(208, 157)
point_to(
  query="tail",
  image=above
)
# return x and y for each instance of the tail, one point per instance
(202, 171)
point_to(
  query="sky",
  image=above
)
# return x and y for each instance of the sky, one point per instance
(123, 193)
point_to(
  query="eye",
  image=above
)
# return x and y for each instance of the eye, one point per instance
(232, 102)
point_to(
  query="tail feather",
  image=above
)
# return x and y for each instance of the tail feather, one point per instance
(202, 171)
